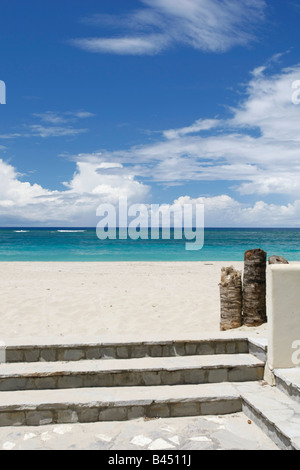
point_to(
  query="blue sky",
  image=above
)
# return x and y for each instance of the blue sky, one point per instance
(162, 101)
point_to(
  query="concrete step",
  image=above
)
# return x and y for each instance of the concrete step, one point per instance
(288, 381)
(258, 347)
(117, 350)
(274, 412)
(131, 372)
(42, 407)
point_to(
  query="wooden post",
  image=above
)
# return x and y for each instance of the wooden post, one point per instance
(231, 299)
(254, 289)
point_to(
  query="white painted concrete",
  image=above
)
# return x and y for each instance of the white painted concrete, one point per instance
(283, 309)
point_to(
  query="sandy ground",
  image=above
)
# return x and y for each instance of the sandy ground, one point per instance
(106, 301)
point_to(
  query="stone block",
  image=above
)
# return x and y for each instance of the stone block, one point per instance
(152, 378)
(73, 355)
(45, 383)
(136, 412)
(113, 414)
(231, 347)
(39, 418)
(184, 409)
(48, 355)
(179, 349)
(139, 351)
(88, 415)
(218, 375)
(93, 353)
(220, 347)
(13, 383)
(242, 347)
(191, 349)
(16, 418)
(171, 377)
(108, 353)
(66, 416)
(156, 351)
(221, 407)
(32, 355)
(245, 374)
(70, 381)
(158, 410)
(206, 349)
(123, 352)
(194, 376)
(15, 355)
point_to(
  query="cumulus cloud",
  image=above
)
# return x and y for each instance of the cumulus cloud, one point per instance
(91, 185)
(255, 151)
(207, 25)
(224, 211)
(257, 148)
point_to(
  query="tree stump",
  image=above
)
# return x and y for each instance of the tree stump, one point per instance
(231, 299)
(277, 260)
(254, 289)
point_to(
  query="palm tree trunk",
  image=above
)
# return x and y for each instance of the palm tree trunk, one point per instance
(254, 291)
(231, 299)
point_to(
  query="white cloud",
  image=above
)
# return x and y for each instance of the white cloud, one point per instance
(10, 136)
(91, 185)
(13, 192)
(61, 118)
(256, 151)
(200, 125)
(207, 25)
(224, 211)
(149, 45)
(57, 125)
(51, 117)
(83, 114)
(38, 130)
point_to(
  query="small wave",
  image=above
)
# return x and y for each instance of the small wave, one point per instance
(21, 231)
(71, 231)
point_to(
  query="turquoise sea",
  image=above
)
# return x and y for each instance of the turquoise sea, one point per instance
(59, 244)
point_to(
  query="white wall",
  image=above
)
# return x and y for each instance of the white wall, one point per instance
(283, 309)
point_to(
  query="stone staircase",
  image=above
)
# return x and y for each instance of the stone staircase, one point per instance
(85, 383)
(68, 383)
(277, 409)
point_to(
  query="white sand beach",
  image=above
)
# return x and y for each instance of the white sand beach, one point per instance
(104, 301)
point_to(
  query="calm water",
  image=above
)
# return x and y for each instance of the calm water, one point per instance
(220, 245)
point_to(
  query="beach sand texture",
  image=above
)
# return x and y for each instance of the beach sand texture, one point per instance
(106, 301)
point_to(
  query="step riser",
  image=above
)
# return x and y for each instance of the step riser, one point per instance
(125, 351)
(80, 414)
(282, 441)
(104, 391)
(258, 352)
(138, 378)
(291, 390)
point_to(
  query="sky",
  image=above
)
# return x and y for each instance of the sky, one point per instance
(160, 101)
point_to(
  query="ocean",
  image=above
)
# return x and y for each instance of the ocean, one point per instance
(63, 244)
